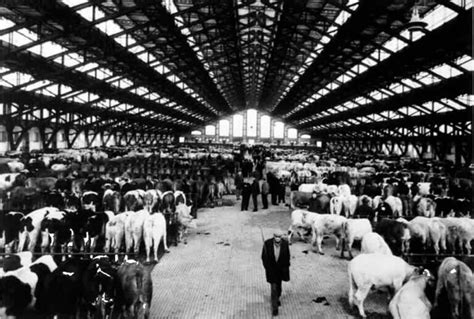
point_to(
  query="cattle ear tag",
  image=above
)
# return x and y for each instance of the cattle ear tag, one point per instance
(453, 271)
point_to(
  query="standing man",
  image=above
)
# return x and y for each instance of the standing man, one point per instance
(255, 192)
(246, 191)
(282, 191)
(265, 190)
(276, 261)
(239, 181)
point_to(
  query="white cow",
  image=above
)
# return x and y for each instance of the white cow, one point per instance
(344, 190)
(31, 227)
(297, 224)
(423, 189)
(307, 188)
(375, 270)
(154, 231)
(428, 230)
(349, 205)
(324, 224)
(410, 301)
(185, 221)
(374, 243)
(115, 233)
(134, 230)
(354, 229)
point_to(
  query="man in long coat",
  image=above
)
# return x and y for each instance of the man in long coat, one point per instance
(276, 261)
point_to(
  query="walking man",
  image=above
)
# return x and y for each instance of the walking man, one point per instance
(276, 261)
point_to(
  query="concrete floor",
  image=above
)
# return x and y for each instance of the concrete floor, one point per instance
(219, 273)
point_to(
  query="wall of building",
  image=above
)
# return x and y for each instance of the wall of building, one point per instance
(247, 137)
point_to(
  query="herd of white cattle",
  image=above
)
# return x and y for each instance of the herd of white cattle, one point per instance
(377, 267)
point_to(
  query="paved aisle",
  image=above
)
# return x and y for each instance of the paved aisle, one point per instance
(219, 273)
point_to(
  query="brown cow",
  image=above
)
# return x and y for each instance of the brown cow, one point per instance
(41, 184)
(456, 277)
(135, 290)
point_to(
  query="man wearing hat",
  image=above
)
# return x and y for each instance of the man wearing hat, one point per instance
(276, 261)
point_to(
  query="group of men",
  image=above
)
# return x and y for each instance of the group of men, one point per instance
(254, 186)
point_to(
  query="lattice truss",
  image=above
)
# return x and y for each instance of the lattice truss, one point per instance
(340, 69)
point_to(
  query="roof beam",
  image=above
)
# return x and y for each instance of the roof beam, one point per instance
(47, 102)
(420, 55)
(41, 68)
(422, 120)
(183, 59)
(77, 31)
(448, 88)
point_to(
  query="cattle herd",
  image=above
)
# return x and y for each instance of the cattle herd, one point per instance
(96, 217)
(86, 212)
(394, 214)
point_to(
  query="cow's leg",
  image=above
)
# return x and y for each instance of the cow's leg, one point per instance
(338, 241)
(349, 243)
(360, 296)
(185, 235)
(22, 241)
(137, 240)
(352, 288)
(108, 243)
(93, 244)
(165, 244)
(148, 237)
(467, 245)
(442, 243)
(343, 246)
(319, 240)
(32, 240)
(128, 244)
(454, 304)
(439, 286)
(156, 245)
(45, 241)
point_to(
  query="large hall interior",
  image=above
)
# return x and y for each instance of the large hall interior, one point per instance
(236, 159)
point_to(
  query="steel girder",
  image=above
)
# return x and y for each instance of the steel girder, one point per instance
(42, 69)
(363, 32)
(47, 102)
(57, 22)
(419, 56)
(167, 44)
(449, 88)
(300, 28)
(257, 29)
(212, 25)
(458, 116)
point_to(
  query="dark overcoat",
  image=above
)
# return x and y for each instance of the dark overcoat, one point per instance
(276, 271)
